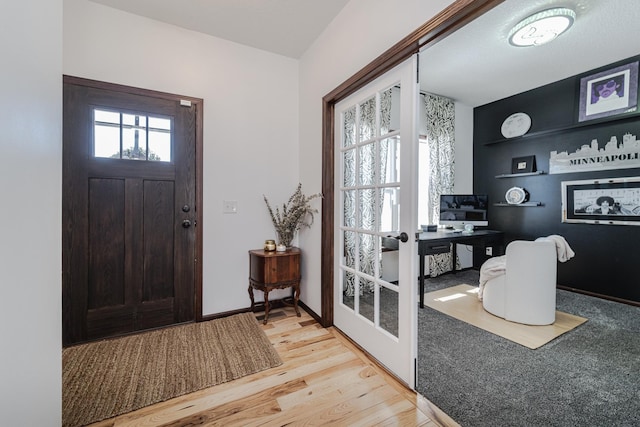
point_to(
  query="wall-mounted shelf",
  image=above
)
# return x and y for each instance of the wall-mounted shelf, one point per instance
(520, 205)
(512, 175)
(621, 118)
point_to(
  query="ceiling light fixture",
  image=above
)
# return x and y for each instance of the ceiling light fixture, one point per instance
(542, 27)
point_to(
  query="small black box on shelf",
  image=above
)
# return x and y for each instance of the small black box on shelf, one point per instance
(525, 164)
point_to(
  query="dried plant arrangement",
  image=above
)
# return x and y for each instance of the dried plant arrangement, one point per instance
(295, 214)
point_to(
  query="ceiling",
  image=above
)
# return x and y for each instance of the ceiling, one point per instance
(285, 27)
(475, 65)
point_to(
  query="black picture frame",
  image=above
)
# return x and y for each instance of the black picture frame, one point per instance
(526, 164)
(609, 201)
(609, 92)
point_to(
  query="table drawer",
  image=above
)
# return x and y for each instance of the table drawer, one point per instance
(436, 248)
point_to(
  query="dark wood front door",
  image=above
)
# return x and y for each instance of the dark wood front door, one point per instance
(129, 210)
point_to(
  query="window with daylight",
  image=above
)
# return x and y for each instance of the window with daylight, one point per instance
(131, 136)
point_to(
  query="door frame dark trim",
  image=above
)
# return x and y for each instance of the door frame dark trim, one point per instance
(452, 18)
(198, 103)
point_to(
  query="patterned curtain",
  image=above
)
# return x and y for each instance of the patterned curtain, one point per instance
(368, 162)
(440, 130)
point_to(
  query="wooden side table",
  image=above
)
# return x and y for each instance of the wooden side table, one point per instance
(274, 270)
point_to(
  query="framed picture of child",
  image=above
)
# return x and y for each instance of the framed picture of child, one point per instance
(608, 93)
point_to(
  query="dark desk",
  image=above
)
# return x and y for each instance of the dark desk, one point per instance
(431, 243)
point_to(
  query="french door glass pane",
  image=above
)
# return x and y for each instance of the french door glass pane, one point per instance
(390, 107)
(367, 119)
(349, 128)
(367, 208)
(367, 306)
(349, 212)
(367, 253)
(390, 212)
(350, 249)
(349, 168)
(389, 305)
(348, 289)
(390, 160)
(366, 171)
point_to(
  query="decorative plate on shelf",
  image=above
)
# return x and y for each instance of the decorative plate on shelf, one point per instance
(516, 195)
(516, 124)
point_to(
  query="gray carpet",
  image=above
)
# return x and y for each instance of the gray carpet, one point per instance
(587, 377)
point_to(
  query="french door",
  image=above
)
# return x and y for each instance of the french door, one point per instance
(376, 207)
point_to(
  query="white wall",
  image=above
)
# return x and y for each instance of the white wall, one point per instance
(464, 167)
(360, 33)
(464, 149)
(30, 188)
(250, 124)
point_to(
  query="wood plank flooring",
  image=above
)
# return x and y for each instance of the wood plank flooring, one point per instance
(324, 380)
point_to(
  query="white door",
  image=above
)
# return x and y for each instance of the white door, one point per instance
(376, 197)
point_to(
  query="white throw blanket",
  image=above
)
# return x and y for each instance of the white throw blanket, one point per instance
(565, 253)
(497, 266)
(491, 268)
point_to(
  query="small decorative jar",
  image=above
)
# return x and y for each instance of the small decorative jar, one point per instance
(281, 248)
(269, 245)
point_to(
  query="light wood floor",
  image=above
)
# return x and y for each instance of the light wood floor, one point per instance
(324, 380)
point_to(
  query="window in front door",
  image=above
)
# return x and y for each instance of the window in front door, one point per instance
(131, 136)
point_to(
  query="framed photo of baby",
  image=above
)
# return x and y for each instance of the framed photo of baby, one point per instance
(609, 93)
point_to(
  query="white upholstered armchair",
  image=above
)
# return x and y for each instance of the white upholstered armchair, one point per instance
(525, 292)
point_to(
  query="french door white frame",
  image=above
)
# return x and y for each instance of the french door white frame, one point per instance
(396, 353)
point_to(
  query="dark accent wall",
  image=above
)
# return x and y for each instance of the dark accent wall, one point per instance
(607, 260)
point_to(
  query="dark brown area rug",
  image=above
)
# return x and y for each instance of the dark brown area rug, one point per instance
(111, 377)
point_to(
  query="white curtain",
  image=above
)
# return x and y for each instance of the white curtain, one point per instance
(440, 136)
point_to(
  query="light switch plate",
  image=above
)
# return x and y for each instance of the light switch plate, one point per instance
(229, 206)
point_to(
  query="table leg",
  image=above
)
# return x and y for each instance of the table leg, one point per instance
(421, 281)
(251, 296)
(296, 297)
(266, 306)
(454, 255)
